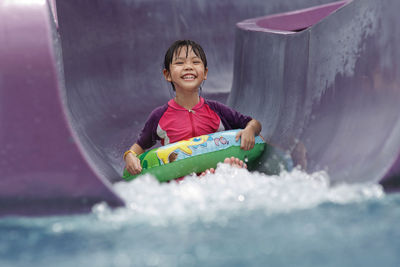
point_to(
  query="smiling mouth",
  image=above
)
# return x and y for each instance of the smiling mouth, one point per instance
(188, 77)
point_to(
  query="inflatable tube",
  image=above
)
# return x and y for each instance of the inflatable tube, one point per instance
(195, 155)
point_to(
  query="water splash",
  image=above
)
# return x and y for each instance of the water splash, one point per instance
(229, 192)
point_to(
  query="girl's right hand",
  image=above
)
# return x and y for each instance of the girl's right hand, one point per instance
(133, 164)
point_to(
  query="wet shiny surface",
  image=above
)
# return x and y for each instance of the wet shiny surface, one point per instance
(232, 218)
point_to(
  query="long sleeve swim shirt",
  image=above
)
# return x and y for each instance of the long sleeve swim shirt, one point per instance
(171, 122)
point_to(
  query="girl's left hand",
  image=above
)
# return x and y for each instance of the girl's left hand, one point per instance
(247, 139)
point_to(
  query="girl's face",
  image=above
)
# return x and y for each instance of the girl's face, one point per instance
(187, 71)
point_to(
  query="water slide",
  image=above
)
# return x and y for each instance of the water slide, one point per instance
(78, 79)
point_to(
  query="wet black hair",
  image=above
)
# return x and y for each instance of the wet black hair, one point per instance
(175, 49)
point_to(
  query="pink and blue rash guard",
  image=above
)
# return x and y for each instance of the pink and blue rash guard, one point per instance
(171, 122)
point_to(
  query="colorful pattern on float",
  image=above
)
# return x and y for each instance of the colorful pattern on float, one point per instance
(167, 153)
(194, 155)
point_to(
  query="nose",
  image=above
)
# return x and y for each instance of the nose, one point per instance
(188, 65)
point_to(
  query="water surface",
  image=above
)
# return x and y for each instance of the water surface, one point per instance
(232, 218)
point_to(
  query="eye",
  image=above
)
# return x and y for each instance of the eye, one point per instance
(178, 63)
(197, 62)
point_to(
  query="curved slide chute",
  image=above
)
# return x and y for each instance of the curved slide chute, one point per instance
(43, 166)
(78, 80)
(331, 86)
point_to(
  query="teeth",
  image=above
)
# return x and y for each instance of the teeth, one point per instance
(188, 77)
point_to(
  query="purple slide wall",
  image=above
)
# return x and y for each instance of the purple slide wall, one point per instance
(76, 86)
(43, 167)
(331, 90)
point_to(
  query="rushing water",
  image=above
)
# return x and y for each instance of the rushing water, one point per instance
(232, 218)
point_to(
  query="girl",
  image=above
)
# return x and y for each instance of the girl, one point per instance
(189, 115)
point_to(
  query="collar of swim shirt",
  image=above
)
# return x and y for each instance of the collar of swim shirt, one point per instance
(172, 103)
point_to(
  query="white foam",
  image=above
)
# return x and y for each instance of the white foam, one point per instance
(228, 192)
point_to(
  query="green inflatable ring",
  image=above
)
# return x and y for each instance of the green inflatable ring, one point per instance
(194, 155)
